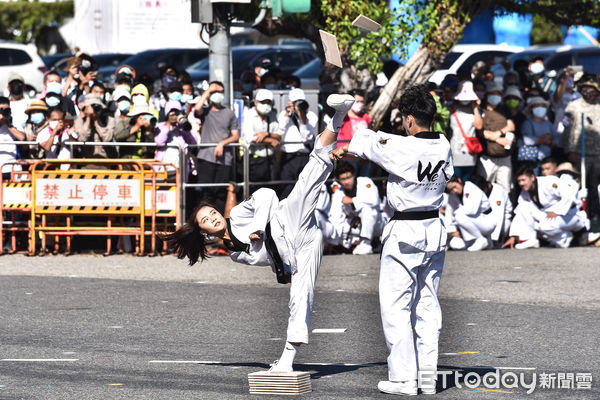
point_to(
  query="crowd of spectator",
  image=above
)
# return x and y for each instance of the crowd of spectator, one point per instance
(500, 129)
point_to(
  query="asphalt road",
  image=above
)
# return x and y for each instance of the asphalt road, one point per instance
(123, 327)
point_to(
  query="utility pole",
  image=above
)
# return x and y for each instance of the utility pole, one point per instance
(219, 49)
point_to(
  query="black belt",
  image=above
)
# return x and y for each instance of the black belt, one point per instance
(486, 212)
(414, 215)
(271, 247)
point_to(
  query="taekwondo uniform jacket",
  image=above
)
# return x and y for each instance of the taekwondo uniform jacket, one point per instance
(473, 202)
(366, 195)
(554, 195)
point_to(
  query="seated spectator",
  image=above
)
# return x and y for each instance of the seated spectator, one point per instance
(52, 139)
(548, 167)
(538, 133)
(468, 216)
(139, 127)
(172, 132)
(355, 120)
(546, 207)
(355, 210)
(465, 119)
(36, 122)
(260, 130)
(95, 125)
(8, 133)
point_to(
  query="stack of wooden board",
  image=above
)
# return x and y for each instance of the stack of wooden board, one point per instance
(283, 383)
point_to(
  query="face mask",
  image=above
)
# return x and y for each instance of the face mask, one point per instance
(76, 77)
(262, 71)
(139, 99)
(16, 88)
(53, 124)
(54, 87)
(570, 83)
(124, 105)
(217, 98)
(358, 107)
(465, 102)
(263, 109)
(185, 98)
(167, 80)
(537, 68)
(52, 101)
(272, 86)
(494, 99)
(176, 96)
(37, 118)
(512, 103)
(248, 87)
(539, 112)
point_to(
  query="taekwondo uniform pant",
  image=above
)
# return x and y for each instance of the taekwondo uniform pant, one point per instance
(474, 226)
(297, 217)
(412, 260)
(371, 224)
(529, 220)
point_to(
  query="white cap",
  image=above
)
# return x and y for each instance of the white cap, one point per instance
(263, 94)
(296, 94)
(118, 93)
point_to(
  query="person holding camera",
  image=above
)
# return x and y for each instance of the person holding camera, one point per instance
(297, 127)
(82, 71)
(37, 114)
(19, 101)
(137, 126)
(8, 133)
(260, 130)
(174, 131)
(95, 125)
(221, 126)
(52, 139)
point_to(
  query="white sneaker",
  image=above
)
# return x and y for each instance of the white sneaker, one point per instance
(457, 243)
(275, 367)
(362, 249)
(407, 388)
(528, 244)
(479, 244)
(592, 237)
(340, 102)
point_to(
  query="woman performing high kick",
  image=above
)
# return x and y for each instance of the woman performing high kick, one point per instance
(283, 234)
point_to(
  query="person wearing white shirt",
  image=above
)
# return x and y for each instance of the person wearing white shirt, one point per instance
(53, 137)
(355, 210)
(546, 206)
(283, 234)
(297, 128)
(260, 131)
(414, 241)
(8, 133)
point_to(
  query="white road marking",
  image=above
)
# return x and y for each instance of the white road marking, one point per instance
(201, 282)
(448, 354)
(471, 324)
(69, 352)
(40, 359)
(485, 300)
(329, 330)
(340, 290)
(183, 362)
(116, 327)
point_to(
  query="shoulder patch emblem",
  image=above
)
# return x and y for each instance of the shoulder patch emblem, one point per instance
(383, 141)
(467, 195)
(555, 186)
(498, 202)
(322, 191)
(248, 198)
(368, 185)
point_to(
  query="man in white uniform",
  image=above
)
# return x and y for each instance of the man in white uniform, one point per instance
(355, 210)
(546, 206)
(414, 241)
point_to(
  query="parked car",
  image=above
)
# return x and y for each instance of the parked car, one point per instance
(150, 61)
(309, 74)
(103, 60)
(558, 57)
(24, 60)
(465, 55)
(286, 58)
(51, 59)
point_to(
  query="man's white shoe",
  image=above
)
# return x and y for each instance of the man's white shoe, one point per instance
(363, 249)
(528, 244)
(340, 102)
(276, 367)
(479, 244)
(592, 237)
(457, 243)
(406, 388)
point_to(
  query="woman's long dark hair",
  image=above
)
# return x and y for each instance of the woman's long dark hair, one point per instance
(188, 241)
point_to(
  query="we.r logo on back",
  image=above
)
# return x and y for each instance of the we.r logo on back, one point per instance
(431, 174)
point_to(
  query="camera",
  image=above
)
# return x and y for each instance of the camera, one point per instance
(97, 109)
(5, 112)
(185, 124)
(302, 105)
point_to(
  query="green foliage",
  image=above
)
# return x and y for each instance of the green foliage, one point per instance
(544, 31)
(22, 21)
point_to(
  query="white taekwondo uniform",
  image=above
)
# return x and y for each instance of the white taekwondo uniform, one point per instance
(366, 205)
(501, 211)
(470, 214)
(294, 231)
(322, 216)
(414, 244)
(553, 195)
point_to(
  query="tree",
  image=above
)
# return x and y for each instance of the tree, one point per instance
(544, 31)
(24, 21)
